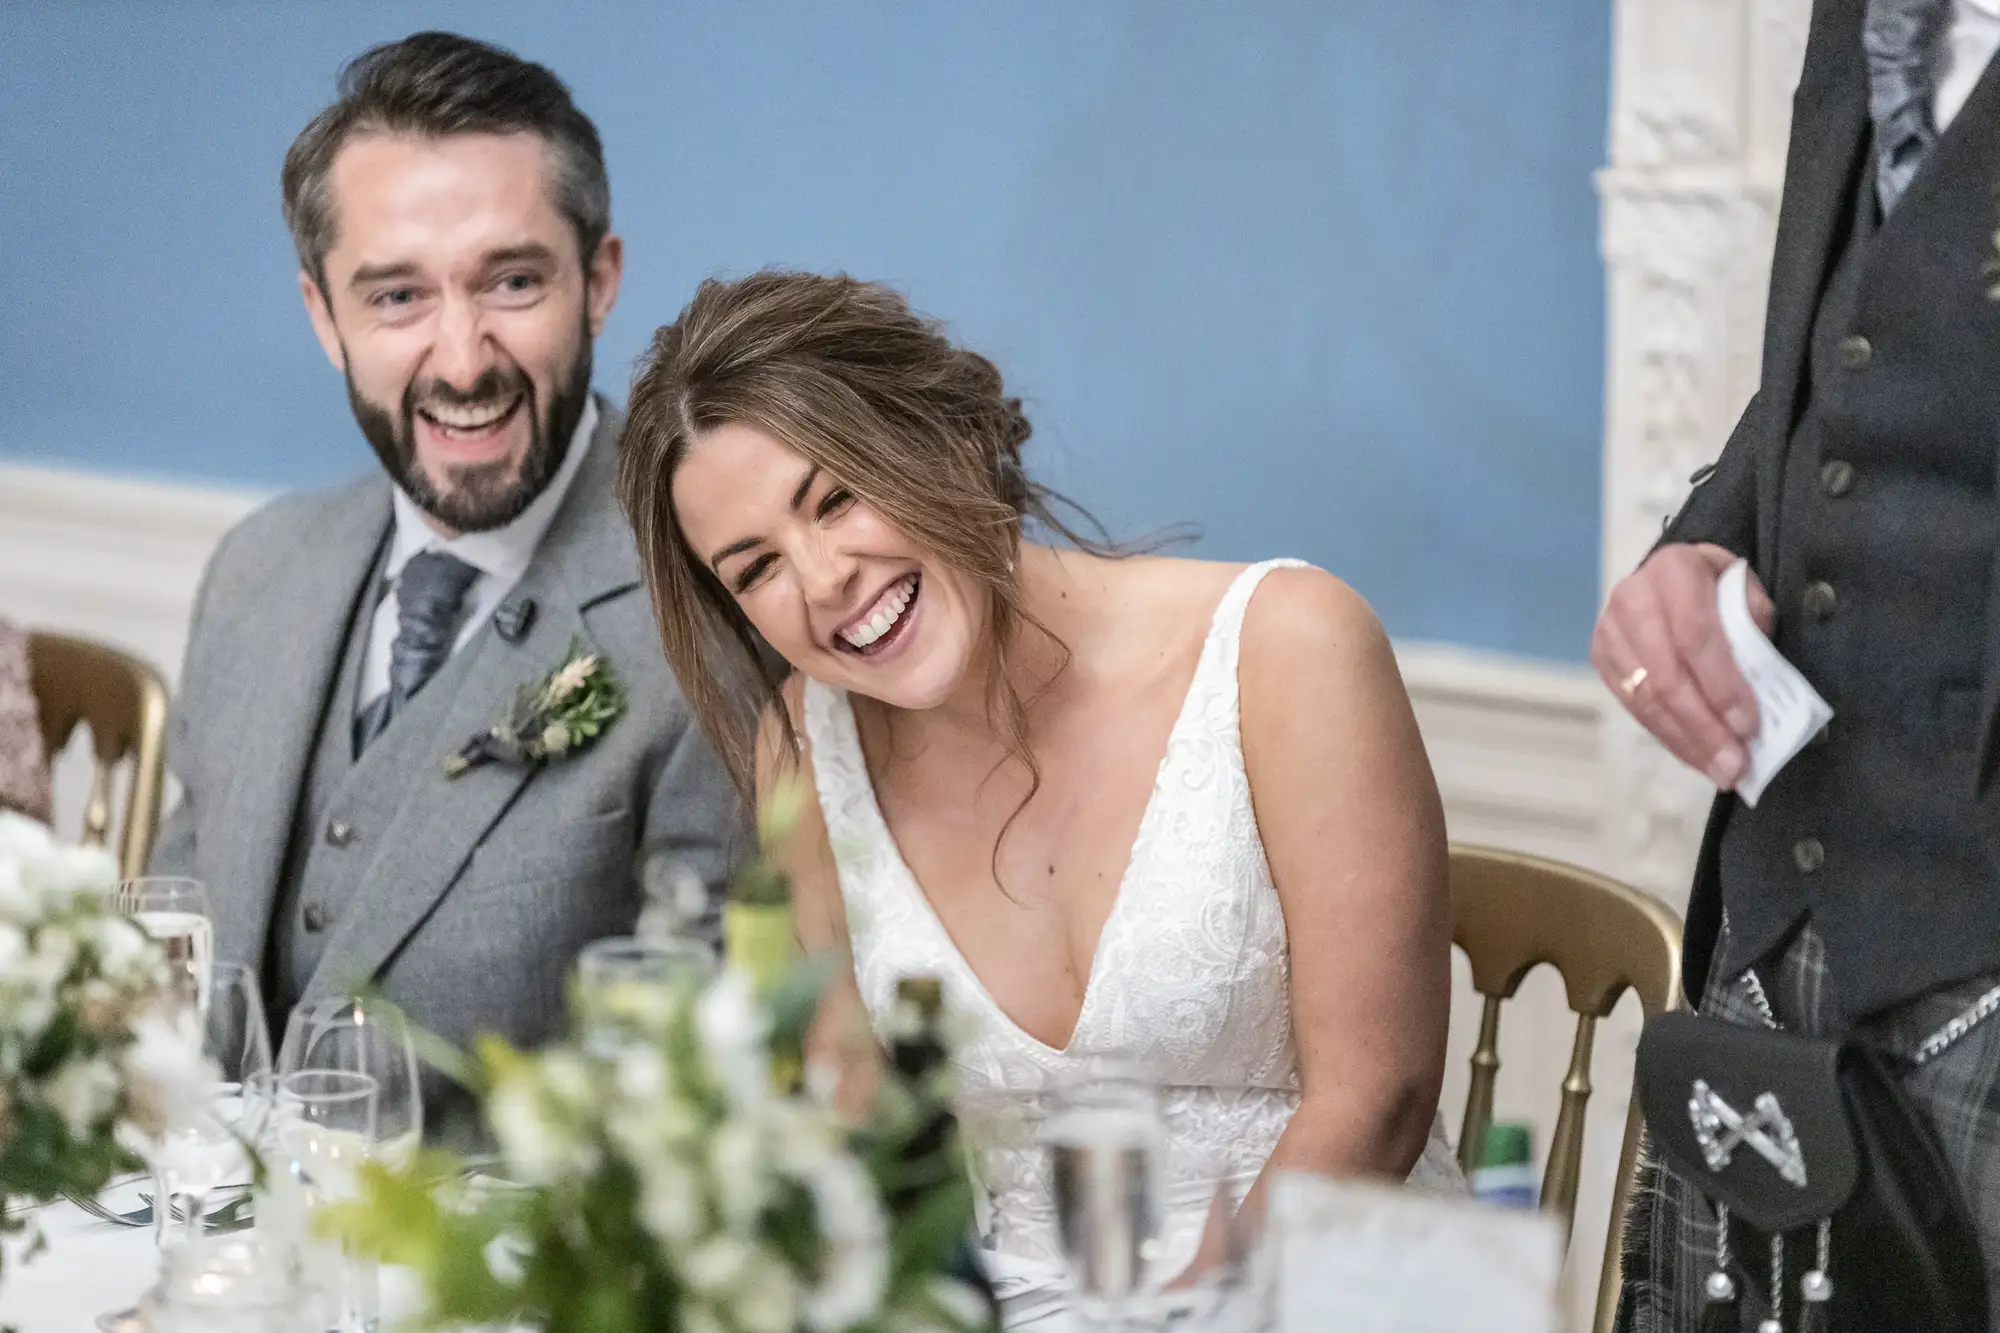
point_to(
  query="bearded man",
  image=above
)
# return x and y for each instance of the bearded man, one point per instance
(345, 800)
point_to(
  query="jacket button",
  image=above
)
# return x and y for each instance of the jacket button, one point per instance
(1856, 352)
(1837, 478)
(1808, 855)
(315, 918)
(1819, 600)
(339, 832)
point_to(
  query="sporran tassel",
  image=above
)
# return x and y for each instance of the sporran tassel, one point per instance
(1719, 1312)
(1775, 1321)
(1816, 1287)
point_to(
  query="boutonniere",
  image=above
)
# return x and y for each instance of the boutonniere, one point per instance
(552, 717)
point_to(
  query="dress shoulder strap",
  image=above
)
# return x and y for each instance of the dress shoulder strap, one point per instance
(1225, 631)
(1235, 603)
(1215, 683)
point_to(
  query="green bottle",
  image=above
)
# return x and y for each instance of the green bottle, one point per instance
(1506, 1172)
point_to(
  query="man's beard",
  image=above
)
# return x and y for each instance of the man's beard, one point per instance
(480, 496)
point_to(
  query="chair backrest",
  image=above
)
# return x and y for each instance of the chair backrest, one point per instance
(125, 703)
(1512, 912)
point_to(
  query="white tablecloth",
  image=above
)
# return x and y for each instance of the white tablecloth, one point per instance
(89, 1267)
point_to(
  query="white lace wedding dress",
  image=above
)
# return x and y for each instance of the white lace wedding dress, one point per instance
(1190, 982)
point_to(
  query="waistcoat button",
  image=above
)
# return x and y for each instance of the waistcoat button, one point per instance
(1808, 855)
(1856, 352)
(1819, 600)
(315, 918)
(339, 832)
(1837, 478)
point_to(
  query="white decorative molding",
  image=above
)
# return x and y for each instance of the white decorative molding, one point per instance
(1701, 110)
(112, 558)
(1513, 740)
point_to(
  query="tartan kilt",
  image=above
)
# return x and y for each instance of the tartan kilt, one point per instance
(1670, 1232)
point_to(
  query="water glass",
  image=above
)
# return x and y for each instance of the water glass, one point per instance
(326, 1128)
(1106, 1140)
(194, 1158)
(364, 1036)
(621, 981)
(238, 1283)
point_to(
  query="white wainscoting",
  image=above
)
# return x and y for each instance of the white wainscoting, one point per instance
(1514, 742)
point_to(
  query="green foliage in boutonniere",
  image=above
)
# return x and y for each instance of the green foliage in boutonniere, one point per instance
(552, 717)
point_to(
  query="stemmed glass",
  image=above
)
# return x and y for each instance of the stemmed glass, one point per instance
(209, 1150)
(332, 1049)
(1107, 1145)
(369, 1037)
(326, 1127)
(174, 912)
(616, 977)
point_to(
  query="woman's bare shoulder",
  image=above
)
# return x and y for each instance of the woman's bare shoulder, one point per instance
(1306, 630)
(1295, 606)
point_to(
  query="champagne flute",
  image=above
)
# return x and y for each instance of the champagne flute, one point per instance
(1107, 1145)
(175, 912)
(326, 1127)
(619, 979)
(193, 1159)
(364, 1036)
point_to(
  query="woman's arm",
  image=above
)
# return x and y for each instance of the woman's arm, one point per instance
(840, 1043)
(1350, 819)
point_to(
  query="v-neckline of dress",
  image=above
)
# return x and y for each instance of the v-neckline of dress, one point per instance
(908, 879)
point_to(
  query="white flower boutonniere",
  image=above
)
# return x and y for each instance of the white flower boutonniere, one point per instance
(552, 717)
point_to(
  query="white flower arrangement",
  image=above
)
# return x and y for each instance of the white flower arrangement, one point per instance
(88, 1046)
(669, 1184)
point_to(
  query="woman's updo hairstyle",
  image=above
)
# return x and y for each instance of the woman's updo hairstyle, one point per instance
(878, 397)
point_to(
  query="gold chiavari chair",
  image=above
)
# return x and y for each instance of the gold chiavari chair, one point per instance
(1512, 912)
(125, 703)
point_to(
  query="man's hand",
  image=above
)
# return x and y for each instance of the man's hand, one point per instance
(1659, 646)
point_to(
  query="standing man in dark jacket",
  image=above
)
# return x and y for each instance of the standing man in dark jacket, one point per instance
(1864, 888)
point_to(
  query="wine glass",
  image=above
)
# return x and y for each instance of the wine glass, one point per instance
(175, 912)
(1107, 1145)
(326, 1127)
(364, 1036)
(619, 979)
(194, 1158)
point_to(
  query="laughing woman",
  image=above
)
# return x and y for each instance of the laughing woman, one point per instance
(1173, 812)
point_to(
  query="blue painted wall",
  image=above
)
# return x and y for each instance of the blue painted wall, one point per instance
(1320, 277)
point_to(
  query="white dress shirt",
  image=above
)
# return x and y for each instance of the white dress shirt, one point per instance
(501, 556)
(1969, 45)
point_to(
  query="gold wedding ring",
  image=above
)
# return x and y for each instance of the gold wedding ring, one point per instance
(1630, 685)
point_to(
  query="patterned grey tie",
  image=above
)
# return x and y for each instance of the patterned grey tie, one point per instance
(428, 594)
(1903, 39)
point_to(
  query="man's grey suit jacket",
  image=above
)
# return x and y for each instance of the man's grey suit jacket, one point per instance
(475, 895)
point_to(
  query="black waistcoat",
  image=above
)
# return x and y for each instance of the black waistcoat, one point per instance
(1886, 531)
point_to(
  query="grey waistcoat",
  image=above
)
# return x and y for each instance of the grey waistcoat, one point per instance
(344, 806)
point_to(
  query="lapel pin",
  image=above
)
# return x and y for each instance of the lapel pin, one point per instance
(513, 619)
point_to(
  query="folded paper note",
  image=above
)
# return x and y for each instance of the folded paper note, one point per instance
(1789, 710)
(1366, 1258)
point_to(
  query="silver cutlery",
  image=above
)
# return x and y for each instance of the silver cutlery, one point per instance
(231, 1213)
